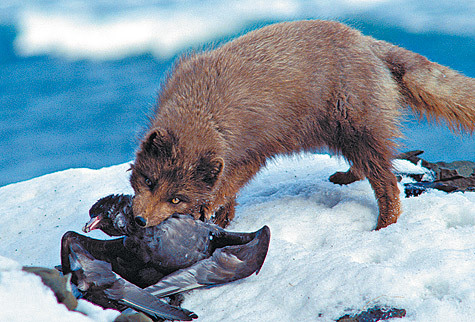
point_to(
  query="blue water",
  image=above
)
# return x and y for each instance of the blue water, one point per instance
(57, 112)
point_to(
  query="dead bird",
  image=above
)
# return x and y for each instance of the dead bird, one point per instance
(204, 254)
(177, 243)
(97, 280)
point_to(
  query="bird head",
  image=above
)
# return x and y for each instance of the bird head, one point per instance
(112, 214)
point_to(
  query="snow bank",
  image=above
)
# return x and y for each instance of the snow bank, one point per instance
(110, 29)
(324, 260)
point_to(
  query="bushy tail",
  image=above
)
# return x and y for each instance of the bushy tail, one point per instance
(431, 89)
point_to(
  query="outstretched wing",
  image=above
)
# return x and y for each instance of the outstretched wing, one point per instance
(227, 264)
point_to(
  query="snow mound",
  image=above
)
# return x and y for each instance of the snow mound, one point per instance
(324, 261)
(116, 29)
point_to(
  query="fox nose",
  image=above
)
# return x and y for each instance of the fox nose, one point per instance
(141, 221)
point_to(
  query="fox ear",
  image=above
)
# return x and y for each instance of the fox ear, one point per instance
(209, 170)
(159, 142)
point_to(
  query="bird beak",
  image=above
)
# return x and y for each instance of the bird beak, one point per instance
(91, 224)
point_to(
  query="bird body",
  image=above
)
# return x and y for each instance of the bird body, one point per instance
(177, 255)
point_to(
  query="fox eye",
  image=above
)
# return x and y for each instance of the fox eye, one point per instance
(175, 201)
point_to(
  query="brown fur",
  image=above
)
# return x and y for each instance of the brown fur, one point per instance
(282, 89)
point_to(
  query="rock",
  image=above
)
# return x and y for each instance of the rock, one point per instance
(374, 314)
(448, 176)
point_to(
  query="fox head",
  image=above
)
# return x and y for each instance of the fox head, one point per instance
(168, 177)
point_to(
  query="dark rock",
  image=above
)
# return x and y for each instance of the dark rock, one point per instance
(374, 314)
(448, 176)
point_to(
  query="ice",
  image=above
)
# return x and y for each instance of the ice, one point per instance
(324, 261)
(113, 30)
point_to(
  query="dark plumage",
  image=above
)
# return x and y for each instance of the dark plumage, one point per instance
(181, 241)
(124, 262)
(179, 254)
(225, 265)
(178, 242)
(111, 215)
(96, 279)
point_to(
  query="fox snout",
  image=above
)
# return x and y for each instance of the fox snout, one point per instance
(149, 212)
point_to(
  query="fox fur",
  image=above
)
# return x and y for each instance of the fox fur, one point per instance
(282, 89)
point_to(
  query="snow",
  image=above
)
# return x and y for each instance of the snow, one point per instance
(116, 29)
(324, 261)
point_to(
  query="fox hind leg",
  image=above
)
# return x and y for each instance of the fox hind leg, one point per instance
(370, 154)
(377, 168)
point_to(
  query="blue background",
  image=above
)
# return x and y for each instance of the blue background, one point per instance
(57, 112)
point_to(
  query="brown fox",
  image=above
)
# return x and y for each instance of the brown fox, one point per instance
(282, 89)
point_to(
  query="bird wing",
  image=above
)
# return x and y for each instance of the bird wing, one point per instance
(141, 300)
(90, 271)
(227, 264)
